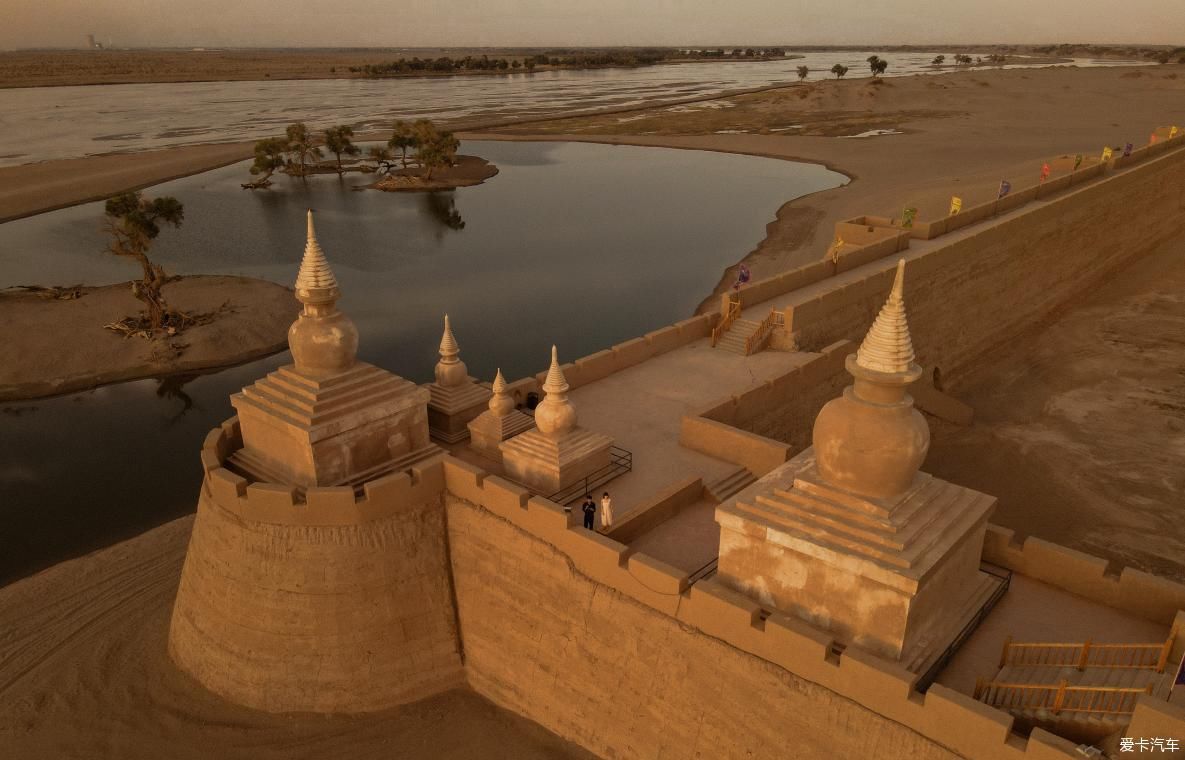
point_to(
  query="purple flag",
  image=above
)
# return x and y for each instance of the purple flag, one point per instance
(1005, 188)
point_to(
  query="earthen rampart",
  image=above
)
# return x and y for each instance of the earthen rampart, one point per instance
(577, 618)
(1007, 276)
(333, 603)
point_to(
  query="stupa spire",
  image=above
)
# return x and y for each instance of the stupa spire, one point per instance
(501, 403)
(323, 339)
(315, 282)
(887, 347)
(448, 343)
(555, 382)
(450, 370)
(555, 415)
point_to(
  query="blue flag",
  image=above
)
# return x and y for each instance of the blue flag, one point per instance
(1005, 188)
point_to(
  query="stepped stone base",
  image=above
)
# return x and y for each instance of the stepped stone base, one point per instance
(547, 465)
(450, 409)
(883, 576)
(488, 431)
(316, 431)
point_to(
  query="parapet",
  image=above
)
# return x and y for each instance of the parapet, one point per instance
(315, 506)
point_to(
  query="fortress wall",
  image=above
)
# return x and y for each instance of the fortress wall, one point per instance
(597, 366)
(772, 420)
(266, 576)
(652, 668)
(1142, 594)
(974, 292)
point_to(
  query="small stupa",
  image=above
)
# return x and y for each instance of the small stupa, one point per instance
(557, 452)
(849, 535)
(498, 423)
(455, 397)
(327, 419)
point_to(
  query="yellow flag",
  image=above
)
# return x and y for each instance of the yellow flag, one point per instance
(1172, 132)
(956, 205)
(835, 248)
(1106, 155)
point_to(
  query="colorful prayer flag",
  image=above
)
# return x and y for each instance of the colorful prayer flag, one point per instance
(743, 276)
(956, 205)
(907, 216)
(835, 248)
(1152, 139)
(1077, 161)
(1044, 172)
(1106, 155)
(1005, 188)
(1172, 132)
(1127, 150)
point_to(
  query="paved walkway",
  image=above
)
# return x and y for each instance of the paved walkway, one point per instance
(642, 407)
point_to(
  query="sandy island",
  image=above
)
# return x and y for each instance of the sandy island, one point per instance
(48, 346)
(466, 172)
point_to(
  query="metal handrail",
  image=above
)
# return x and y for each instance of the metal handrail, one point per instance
(927, 679)
(620, 462)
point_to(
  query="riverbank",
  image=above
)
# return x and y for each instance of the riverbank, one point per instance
(50, 346)
(955, 135)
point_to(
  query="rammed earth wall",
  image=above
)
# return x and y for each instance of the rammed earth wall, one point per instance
(995, 280)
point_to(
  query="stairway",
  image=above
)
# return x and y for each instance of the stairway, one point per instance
(734, 339)
(729, 485)
(1041, 688)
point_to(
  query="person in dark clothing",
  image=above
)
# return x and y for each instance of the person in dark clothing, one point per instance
(589, 507)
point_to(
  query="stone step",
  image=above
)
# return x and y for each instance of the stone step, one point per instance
(732, 483)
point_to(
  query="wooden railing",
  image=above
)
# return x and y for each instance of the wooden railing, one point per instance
(1087, 654)
(1060, 698)
(755, 341)
(730, 316)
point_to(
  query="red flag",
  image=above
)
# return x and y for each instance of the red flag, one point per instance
(1044, 172)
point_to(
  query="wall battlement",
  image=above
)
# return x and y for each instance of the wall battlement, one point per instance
(945, 717)
(320, 506)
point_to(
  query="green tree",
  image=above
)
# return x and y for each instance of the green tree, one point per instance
(839, 70)
(802, 72)
(337, 140)
(134, 222)
(437, 149)
(877, 65)
(300, 147)
(938, 60)
(402, 138)
(269, 157)
(529, 62)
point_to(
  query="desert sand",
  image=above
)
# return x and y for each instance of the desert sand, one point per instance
(83, 670)
(251, 321)
(1080, 425)
(84, 674)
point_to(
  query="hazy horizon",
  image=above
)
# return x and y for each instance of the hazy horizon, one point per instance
(560, 23)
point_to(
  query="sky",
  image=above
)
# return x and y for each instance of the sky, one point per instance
(493, 23)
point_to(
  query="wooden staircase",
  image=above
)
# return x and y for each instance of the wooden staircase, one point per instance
(732, 483)
(737, 336)
(1081, 690)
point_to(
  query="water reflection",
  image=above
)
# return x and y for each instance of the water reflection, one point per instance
(442, 207)
(581, 245)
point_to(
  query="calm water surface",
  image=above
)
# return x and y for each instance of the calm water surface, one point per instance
(43, 123)
(581, 245)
